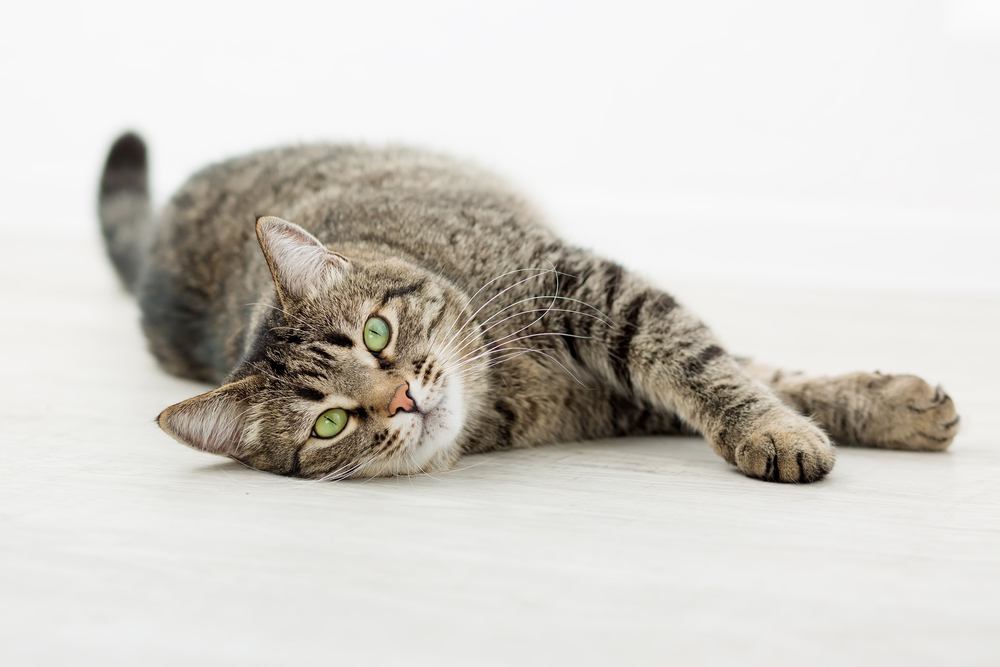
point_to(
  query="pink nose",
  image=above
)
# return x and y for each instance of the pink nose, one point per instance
(401, 400)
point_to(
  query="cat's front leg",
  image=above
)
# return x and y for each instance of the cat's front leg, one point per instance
(660, 351)
(869, 409)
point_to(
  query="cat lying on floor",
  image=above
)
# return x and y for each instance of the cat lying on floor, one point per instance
(417, 310)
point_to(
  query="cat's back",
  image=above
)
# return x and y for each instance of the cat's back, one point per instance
(415, 201)
(288, 180)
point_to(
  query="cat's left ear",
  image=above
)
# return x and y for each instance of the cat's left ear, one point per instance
(299, 263)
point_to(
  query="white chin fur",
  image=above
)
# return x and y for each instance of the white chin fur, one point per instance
(431, 438)
(440, 425)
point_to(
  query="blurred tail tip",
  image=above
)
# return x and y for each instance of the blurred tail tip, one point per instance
(128, 153)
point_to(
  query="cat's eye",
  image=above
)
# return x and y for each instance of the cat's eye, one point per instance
(376, 334)
(330, 423)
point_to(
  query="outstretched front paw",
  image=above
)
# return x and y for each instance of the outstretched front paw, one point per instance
(905, 412)
(784, 447)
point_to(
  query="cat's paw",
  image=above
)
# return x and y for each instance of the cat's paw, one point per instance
(784, 447)
(905, 412)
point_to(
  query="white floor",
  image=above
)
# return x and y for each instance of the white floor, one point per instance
(118, 546)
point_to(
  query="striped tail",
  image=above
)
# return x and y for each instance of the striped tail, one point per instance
(123, 206)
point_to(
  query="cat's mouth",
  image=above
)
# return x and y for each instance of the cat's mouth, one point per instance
(438, 425)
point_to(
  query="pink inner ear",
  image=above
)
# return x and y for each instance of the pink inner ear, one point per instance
(299, 265)
(299, 262)
(211, 422)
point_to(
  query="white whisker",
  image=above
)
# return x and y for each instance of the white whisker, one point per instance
(489, 351)
(534, 310)
(496, 296)
(472, 298)
(531, 350)
(530, 324)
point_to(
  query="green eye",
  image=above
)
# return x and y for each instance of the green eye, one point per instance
(330, 423)
(376, 334)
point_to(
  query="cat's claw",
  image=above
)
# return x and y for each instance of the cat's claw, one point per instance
(909, 413)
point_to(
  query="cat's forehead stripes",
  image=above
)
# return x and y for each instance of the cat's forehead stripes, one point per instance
(309, 394)
(404, 290)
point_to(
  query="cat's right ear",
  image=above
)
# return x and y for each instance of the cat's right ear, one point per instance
(299, 263)
(214, 421)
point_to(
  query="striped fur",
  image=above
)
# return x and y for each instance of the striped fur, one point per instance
(520, 338)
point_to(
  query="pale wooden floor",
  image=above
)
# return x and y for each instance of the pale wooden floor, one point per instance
(121, 547)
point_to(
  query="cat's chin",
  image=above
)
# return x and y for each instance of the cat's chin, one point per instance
(439, 427)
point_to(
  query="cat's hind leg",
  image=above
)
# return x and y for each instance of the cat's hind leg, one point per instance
(869, 409)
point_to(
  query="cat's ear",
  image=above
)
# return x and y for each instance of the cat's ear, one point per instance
(214, 421)
(299, 263)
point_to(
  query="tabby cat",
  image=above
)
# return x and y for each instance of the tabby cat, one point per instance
(408, 309)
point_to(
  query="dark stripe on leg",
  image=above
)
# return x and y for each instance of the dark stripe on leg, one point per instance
(567, 283)
(612, 282)
(619, 351)
(663, 304)
(696, 365)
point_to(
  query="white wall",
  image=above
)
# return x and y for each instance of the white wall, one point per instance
(852, 143)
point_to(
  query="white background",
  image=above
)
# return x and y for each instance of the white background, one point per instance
(820, 180)
(849, 143)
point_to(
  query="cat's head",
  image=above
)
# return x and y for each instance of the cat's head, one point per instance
(355, 371)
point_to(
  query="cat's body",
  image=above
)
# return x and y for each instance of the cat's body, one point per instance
(511, 336)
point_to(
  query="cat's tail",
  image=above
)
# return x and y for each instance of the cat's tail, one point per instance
(123, 205)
